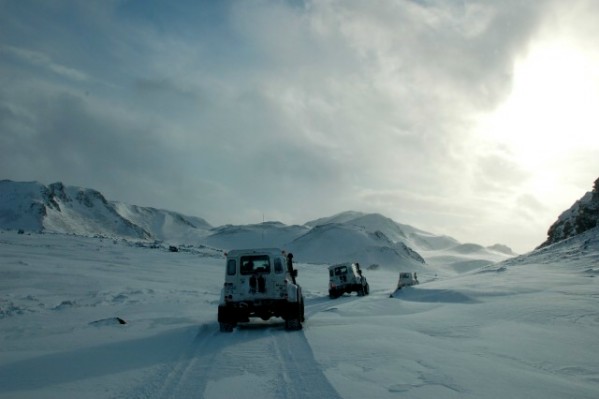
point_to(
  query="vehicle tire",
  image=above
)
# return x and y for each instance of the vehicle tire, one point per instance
(226, 327)
(293, 325)
(366, 289)
(294, 320)
(361, 290)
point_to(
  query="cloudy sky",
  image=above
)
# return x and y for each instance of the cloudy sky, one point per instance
(475, 119)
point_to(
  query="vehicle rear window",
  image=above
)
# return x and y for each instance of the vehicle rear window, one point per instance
(278, 266)
(251, 264)
(341, 270)
(231, 267)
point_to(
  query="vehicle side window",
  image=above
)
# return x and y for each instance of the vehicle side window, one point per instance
(278, 266)
(331, 272)
(231, 267)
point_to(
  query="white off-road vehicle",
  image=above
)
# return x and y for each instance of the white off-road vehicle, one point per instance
(407, 279)
(260, 283)
(348, 278)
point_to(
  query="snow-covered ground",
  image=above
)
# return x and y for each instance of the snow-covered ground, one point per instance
(525, 328)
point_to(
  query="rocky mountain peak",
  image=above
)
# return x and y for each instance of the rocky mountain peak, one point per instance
(583, 215)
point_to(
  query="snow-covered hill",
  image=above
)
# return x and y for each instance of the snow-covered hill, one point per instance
(165, 225)
(381, 240)
(396, 232)
(466, 257)
(31, 206)
(348, 236)
(263, 235)
(338, 242)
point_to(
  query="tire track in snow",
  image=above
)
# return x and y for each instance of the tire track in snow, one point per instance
(185, 376)
(260, 359)
(299, 375)
(324, 303)
(188, 377)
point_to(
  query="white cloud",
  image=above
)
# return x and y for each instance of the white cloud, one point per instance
(42, 60)
(231, 109)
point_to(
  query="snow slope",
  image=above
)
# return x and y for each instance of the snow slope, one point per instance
(165, 225)
(466, 257)
(32, 206)
(524, 328)
(397, 232)
(263, 235)
(334, 243)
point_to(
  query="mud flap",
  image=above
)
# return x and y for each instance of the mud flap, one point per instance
(293, 293)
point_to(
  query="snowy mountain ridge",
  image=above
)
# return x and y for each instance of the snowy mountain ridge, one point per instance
(57, 208)
(371, 238)
(331, 242)
(32, 206)
(396, 232)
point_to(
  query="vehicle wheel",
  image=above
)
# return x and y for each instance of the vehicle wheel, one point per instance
(366, 289)
(361, 291)
(293, 325)
(293, 321)
(226, 327)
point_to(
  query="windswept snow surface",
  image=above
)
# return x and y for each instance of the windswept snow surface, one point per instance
(525, 328)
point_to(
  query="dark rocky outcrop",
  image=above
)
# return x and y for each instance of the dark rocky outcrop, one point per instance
(582, 216)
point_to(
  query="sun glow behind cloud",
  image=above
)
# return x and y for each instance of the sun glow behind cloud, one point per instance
(366, 106)
(550, 114)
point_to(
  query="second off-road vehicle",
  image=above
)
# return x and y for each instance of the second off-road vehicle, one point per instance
(347, 278)
(260, 283)
(406, 279)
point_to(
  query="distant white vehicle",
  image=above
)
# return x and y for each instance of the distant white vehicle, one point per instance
(260, 283)
(407, 279)
(348, 278)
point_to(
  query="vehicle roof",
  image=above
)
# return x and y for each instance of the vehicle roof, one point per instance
(348, 264)
(256, 251)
